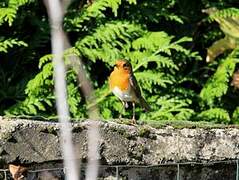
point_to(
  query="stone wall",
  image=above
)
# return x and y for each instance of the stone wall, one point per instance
(37, 143)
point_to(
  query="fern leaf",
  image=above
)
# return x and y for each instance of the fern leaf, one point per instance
(224, 13)
(235, 116)
(161, 61)
(214, 114)
(152, 41)
(8, 14)
(9, 43)
(149, 79)
(107, 41)
(45, 59)
(94, 11)
(168, 109)
(217, 85)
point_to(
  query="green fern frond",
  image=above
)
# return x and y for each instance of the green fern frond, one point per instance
(143, 61)
(74, 100)
(168, 109)
(9, 43)
(107, 42)
(224, 13)
(8, 14)
(109, 32)
(228, 21)
(132, 1)
(217, 85)
(45, 59)
(31, 106)
(67, 53)
(40, 90)
(103, 38)
(175, 46)
(184, 92)
(148, 79)
(95, 10)
(41, 79)
(235, 116)
(152, 41)
(185, 114)
(214, 114)
(107, 110)
(173, 17)
(40, 93)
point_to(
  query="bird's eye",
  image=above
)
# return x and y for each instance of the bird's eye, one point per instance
(125, 65)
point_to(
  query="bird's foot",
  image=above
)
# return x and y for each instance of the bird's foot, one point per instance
(120, 116)
(133, 121)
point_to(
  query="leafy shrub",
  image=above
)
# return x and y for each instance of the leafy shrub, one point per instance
(170, 71)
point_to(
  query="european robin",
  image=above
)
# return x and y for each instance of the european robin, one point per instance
(124, 85)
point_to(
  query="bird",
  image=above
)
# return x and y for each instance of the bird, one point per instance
(124, 85)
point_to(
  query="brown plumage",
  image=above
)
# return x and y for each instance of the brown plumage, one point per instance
(124, 85)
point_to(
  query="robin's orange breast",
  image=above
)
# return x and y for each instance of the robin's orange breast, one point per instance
(120, 80)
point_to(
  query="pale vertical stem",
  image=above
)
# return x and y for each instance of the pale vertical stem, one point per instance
(5, 175)
(93, 129)
(117, 173)
(178, 172)
(93, 155)
(57, 41)
(237, 173)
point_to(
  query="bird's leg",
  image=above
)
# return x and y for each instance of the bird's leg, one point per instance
(122, 110)
(133, 118)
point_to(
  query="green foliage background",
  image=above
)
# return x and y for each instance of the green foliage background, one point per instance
(166, 42)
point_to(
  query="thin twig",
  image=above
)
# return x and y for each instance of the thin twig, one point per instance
(55, 12)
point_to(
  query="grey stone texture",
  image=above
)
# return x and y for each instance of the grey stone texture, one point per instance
(38, 142)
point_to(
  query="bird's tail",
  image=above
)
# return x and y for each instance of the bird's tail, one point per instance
(144, 104)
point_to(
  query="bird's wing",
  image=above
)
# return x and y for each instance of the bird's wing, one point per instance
(136, 89)
(135, 86)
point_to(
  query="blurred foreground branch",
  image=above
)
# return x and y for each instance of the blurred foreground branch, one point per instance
(59, 41)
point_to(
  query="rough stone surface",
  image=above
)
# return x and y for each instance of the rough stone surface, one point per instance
(38, 142)
(28, 141)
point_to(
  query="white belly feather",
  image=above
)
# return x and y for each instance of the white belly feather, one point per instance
(123, 95)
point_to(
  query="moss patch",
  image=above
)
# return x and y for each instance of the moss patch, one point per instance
(186, 124)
